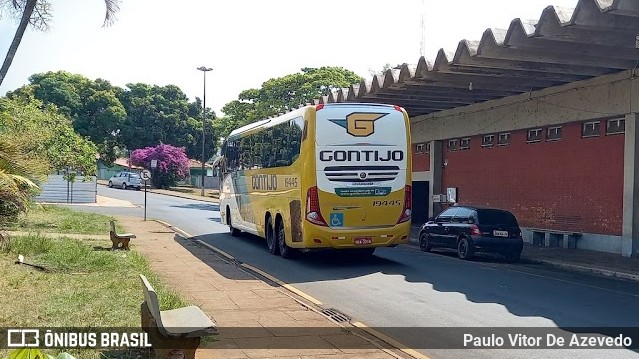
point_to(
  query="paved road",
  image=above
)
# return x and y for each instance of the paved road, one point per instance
(405, 287)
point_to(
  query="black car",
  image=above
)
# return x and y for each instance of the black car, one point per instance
(472, 229)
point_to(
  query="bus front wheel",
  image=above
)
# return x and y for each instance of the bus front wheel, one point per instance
(285, 250)
(234, 231)
(271, 240)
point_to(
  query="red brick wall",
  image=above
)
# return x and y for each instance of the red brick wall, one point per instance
(421, 161)
(573, 184)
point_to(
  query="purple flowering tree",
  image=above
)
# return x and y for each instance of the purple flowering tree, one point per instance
(173, 165)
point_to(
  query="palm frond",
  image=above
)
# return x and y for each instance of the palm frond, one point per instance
(112, 7)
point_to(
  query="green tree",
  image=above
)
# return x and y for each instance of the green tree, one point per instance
(283, 94)
(93, 106)
(163, 114)
(37, 13)
(46, 136)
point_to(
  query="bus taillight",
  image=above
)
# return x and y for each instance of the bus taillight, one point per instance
(408, 205)
(319, 107)
(313, 213)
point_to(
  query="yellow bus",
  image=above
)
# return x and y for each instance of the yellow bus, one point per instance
(326, 176)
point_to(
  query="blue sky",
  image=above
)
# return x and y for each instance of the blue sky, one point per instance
(247, 42)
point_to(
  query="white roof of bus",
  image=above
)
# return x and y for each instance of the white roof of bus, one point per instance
(274, 121)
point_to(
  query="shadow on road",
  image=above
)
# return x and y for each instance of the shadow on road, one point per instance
(201, 206)
(487, 280)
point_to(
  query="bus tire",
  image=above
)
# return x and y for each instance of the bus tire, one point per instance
(234, 231)
(285, 251)
(271, 240)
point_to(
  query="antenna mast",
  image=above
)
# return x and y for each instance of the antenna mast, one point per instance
(422, 42)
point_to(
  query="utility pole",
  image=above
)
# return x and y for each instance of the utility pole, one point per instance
(204, 70)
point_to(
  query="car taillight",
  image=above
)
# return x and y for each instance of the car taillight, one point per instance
(408, 205)
(319, 107)
(313, 213)
(474, 230)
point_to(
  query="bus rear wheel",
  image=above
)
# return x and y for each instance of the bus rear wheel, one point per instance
(285, 250)
(271, 240)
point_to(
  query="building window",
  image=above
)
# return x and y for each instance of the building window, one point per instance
(615, 126)
(553, 134)
(464, 143)
(591, 129)
(534, 135)
(427, 149)
(419, 148)
(452, 145)
(488, 141)
(504, 139)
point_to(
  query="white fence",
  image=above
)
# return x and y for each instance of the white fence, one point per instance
(58, 190)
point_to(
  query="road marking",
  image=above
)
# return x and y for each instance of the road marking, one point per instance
(228, 256)
(281, 283)
(163, 223)
(389, 340)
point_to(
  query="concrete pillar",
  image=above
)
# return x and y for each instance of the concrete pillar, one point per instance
(435, 183)
(630, 231)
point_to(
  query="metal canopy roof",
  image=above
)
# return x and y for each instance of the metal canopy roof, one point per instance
(595, 38)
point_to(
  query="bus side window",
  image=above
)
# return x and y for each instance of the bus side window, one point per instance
(297, 126)
(256, 151)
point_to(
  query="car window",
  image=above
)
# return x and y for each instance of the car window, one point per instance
(496, 217)
(447, 215)
(462, 215)
(134, 175)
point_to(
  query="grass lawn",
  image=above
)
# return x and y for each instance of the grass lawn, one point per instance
(59, 219)
(87, 286)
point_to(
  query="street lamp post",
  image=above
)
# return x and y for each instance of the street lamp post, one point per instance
(204, 70)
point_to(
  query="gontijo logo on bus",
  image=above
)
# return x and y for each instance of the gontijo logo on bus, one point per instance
(360, 124)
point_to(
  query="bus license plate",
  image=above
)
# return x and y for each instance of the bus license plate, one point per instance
(500, 233)
(363, 240)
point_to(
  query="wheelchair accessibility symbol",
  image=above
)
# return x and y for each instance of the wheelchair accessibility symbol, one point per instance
(337, 219)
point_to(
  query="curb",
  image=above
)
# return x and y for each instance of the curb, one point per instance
(597, 271)
(566, 266)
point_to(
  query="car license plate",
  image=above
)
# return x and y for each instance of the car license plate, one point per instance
(363, 240)
(500, 233)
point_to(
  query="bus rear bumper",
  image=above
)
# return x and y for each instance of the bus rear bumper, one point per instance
(325, 237)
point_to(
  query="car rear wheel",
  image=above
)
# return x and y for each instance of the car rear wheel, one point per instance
(123, 185)
(424, 242)
(464, 249)
(271, 241)
(110, 184)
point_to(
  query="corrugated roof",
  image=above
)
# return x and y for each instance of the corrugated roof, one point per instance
(595, 38)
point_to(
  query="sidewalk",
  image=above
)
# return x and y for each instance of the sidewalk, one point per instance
(581, 260)
(255, 319)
